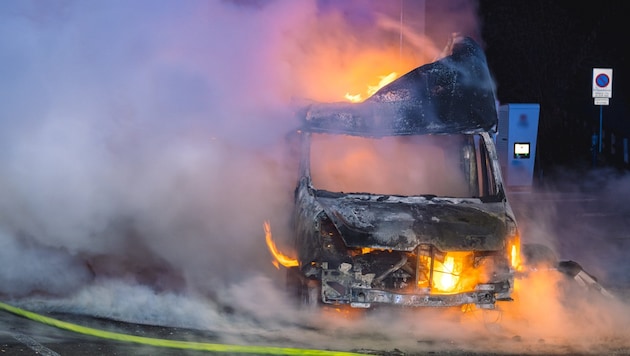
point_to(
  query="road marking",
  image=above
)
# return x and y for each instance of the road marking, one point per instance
(34, 345)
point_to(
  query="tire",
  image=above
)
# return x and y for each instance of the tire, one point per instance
(538, 256)
(305, 292)
(311, 295)
(293, 282)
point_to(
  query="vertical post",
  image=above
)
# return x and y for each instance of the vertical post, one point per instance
(600, 128)
(401, 31)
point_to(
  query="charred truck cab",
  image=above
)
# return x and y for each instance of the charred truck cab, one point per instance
(400, 198)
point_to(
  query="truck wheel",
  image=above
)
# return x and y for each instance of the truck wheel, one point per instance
(305, 292)
(538, 256)
(311, 294)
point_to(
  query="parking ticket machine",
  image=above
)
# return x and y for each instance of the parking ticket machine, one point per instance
(516, 144)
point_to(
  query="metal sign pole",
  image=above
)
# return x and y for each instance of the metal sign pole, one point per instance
(602, 92)
(600, 128)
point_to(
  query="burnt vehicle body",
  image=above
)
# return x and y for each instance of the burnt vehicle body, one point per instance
(400, 199)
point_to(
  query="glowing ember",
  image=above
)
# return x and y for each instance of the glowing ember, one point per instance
(355, 98)
(279, 257)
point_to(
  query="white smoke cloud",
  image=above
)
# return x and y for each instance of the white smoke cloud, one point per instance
(135, 130)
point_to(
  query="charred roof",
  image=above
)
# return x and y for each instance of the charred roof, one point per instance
(454, 94)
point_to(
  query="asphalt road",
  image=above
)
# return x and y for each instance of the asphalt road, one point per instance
(22, 336)
(589, 227)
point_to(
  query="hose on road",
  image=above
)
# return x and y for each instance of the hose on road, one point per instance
(176, 344)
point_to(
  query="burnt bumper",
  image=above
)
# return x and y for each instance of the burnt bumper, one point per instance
(484, 296)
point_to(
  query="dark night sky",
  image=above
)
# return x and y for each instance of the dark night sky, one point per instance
(544, 52)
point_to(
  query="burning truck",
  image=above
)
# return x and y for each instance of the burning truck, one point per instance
(400, 200)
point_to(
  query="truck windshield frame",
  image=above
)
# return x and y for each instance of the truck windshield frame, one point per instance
(453, 165)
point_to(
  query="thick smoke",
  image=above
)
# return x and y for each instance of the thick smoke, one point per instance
(140, 141)
(95, 123)
(389, 165)
(144, 142)
(142, 148)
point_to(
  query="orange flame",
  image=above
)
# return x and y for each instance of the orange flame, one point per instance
(448, 276)
(384, 80)
(279, 258)
(515, 254)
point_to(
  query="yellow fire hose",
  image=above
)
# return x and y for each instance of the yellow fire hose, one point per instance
(176, 344)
